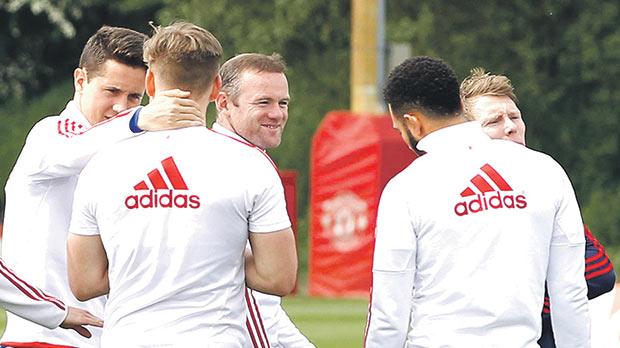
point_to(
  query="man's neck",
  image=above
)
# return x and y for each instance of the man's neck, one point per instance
(437, 124)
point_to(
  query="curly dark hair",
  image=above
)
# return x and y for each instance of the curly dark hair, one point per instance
(424, 84)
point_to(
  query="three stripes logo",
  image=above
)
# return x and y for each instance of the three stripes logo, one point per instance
(493, 193)
(163, 191)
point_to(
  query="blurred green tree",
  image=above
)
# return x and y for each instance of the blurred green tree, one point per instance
(563, 58)
(40, 45)
(40, 40)
(312, 36)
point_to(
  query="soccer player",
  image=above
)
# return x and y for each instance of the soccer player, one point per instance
(468, 233)
(165, 238)
(25, 300)
(39, 190)
(252, 107)
(491, 100)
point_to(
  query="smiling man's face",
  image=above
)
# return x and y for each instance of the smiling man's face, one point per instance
(260, 111)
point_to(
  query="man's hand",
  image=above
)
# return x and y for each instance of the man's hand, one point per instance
(170, 109)
(77, 318)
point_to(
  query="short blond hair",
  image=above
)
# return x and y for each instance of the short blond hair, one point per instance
(479, 82)
(185, 55)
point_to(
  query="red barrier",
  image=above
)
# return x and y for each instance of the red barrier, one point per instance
(289, 181)
(352, 159)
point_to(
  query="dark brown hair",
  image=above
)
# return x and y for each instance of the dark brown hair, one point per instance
(120, 44)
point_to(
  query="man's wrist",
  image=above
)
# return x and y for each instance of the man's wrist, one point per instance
(133, 122)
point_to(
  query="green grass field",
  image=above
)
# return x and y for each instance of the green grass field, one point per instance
(329, 323)
(2, 321)
(336, 323)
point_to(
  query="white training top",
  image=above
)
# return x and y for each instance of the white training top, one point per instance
(25, 300)
(267, 323)
(39, 194)
(174, 218)
(465, 238)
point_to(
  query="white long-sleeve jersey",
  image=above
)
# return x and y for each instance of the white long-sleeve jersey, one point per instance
(27, 301)
(465, 238)
(39, 195)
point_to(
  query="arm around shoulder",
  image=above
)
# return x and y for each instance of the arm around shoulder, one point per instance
(51, 151)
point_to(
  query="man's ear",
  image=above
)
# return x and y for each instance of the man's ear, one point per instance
(217, 86)
(222, 102)
(150, 83)
(79, 79)
(414, 121)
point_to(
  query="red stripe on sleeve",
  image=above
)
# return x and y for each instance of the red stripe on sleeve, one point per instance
(592, 266)
(251, 332)
(2, 271)
(254, 331)
(122, 114)
(260, 318)
(250, 145)
(600, 272)
(595, 258)
(37, 291)
(34, 293)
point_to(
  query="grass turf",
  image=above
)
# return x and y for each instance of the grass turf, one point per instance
(329, 322)
(326, 322)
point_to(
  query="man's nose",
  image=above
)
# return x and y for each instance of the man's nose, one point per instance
(509, 126)
(120, 105)
(276, 112)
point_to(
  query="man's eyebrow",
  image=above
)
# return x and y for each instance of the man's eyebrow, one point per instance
(491, 116)
(265, 97)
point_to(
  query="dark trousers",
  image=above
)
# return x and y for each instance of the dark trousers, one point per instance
(546, 338)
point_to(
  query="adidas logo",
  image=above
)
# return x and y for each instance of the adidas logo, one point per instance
(160, 195)
(489, 196)
(68, 128)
